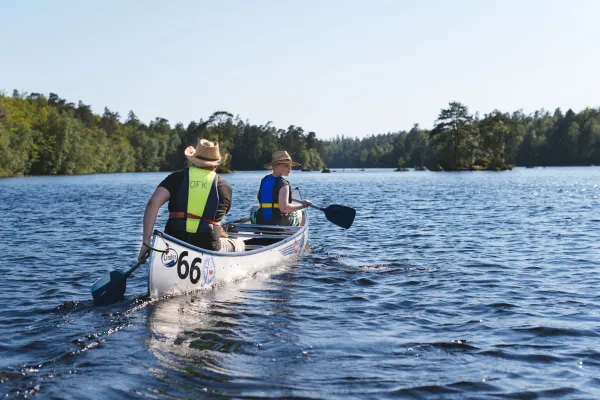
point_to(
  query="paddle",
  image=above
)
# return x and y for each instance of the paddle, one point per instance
(111, 287)
(340, 215)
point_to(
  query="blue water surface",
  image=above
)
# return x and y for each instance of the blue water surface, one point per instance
(448, 285)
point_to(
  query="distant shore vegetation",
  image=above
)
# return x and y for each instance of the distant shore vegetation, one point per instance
(47, 135)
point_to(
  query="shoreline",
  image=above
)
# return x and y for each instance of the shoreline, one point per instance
(349, 169)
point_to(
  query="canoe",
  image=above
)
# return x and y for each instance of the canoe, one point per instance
(185, 268)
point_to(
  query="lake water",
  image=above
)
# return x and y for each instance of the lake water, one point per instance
(453, 285)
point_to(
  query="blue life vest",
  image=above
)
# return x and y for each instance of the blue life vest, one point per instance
(268, 199)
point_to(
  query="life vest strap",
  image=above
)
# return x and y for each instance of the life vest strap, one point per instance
(181, 215)
(269, 205)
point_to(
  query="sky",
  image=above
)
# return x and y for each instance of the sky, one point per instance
(335, 67)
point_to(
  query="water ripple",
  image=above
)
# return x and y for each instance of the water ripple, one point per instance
(467, 285)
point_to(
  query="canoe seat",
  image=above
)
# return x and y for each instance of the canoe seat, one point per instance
(253, 247)
(236, 227)
(257, 236)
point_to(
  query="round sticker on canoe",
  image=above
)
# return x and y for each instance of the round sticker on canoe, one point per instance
(209, 270)
(169, 259)
(296, 247)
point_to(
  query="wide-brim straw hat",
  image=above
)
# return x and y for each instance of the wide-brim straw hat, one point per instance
(206, 154)
(281, 157)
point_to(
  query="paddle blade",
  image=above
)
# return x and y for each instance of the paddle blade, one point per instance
(109, 289)
(340, 215)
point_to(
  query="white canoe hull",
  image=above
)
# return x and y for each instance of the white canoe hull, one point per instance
(186, 268)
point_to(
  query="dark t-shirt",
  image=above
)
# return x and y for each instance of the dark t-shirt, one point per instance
(208, 240)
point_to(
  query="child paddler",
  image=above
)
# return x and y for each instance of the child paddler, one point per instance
(275, 205)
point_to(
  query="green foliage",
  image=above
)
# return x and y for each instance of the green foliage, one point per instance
(311, 159)
(48, 135)
(455, 137)
(495, 130)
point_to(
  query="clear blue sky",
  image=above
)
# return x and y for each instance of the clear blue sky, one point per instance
(333, 67)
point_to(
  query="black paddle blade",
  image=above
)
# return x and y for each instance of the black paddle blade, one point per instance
(340, 215)
(109, 289)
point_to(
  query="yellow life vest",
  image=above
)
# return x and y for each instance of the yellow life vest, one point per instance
(200, 183)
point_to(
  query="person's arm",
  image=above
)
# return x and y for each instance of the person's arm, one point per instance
(225, 196)
(286, 207)
(160, 197)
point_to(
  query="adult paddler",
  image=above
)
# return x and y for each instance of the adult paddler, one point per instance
(198, 200)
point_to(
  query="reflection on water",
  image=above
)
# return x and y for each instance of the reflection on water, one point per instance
(196, 335)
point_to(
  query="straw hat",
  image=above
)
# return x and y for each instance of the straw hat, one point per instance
(281, 157)
(206, 154)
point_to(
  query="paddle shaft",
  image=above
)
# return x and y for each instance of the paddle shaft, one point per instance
(317, 207)
(142, 261)
(340, 215)
(312, 205)
(128, 273)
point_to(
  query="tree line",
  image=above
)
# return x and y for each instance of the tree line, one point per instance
(46, 135)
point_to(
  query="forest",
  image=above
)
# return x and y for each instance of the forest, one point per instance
(47, 135)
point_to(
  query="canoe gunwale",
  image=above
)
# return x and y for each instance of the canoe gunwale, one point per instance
(284, 241)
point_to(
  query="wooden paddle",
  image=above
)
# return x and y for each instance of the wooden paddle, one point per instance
(111, 287)
(340, 215)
